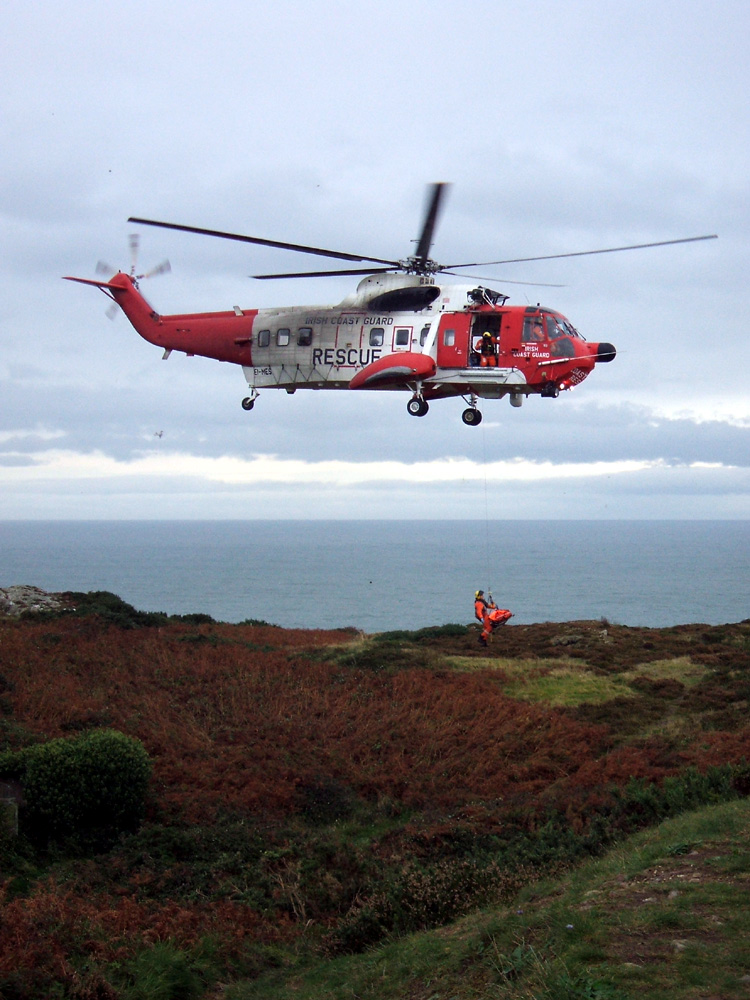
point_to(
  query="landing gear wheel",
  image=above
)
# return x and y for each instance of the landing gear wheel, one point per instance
(417, 407)
(248, 403)
(471, 416)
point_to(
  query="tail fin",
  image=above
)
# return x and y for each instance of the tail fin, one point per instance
(98, 283)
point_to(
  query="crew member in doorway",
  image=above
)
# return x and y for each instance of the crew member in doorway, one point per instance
(488, 350)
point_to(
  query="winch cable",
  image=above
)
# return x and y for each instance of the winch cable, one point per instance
(486, 514)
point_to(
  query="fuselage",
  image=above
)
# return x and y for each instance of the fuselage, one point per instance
(395, 332)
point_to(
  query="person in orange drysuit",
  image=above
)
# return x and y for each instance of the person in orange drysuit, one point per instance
(488, 613)
(481, 606)
(482, 609)
(488, 350)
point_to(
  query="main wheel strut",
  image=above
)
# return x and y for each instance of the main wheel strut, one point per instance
(471, 414)
(249, 401)
(417, 406)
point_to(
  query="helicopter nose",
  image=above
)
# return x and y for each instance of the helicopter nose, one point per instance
(605, 352)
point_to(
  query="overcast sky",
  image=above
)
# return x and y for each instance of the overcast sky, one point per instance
(564, 125)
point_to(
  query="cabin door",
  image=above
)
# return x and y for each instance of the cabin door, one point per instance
(485, 339)
(453, 341)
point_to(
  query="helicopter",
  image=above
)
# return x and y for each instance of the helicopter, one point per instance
(403, 328)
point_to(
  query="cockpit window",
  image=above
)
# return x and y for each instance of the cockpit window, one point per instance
(533, 332)
(564, 328)
(554, 330)
(570, 329)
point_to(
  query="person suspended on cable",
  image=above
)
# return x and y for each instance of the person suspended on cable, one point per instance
(490, 616)
(482, 605)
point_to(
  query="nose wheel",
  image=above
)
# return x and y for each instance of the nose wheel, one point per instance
(417, 406)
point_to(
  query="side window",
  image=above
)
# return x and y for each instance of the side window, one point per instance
(449, 337)
(304, 336)
(264, 338)
(532, 329)
(283, 337)
(403, 337)
(376, 336)
(423, 336)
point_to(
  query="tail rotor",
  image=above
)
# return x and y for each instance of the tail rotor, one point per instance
(164, 268)
(134, 242)
(103, 268)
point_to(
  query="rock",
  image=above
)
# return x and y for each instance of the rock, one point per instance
(14, 601)
(571, 639)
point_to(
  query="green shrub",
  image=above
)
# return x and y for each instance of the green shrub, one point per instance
(112, 609)
(647, 802)
(90, 788)
(323, 799)
(194, 618)
(449, 631)
(163, 973)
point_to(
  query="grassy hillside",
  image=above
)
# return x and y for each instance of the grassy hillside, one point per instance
(329, 809)
(664, 914)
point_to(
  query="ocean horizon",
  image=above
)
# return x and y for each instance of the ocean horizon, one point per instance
(381, 575)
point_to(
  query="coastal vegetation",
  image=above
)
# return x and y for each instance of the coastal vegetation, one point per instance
(242, 811)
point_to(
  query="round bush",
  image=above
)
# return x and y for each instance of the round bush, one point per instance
(92, 787)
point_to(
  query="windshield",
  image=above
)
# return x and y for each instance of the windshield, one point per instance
(548, 326)
(567, 328)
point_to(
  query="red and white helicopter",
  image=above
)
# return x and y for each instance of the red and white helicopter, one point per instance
(403, 328)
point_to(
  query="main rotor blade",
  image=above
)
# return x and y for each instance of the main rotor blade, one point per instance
(422, 252)
(584, 253)
(504, 281)
(325, 274)
(298, 247)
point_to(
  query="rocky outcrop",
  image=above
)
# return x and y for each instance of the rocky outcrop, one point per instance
(14, 601)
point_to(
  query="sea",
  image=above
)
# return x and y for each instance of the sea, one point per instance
(382, 575)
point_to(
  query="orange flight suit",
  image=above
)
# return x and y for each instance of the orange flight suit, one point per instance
(488, 351)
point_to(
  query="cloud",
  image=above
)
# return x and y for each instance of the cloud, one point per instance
(36, 434)
(178, 485)
(273, 469)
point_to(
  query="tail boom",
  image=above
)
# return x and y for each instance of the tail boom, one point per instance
(222, 336)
